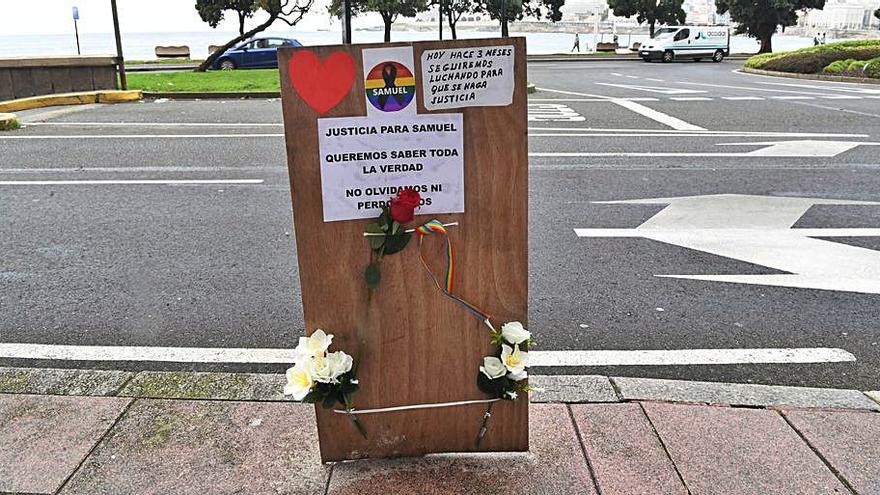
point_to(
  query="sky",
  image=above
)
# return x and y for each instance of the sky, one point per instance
(55, 17)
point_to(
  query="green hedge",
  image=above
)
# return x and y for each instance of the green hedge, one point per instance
(872, 68)
(814, 59)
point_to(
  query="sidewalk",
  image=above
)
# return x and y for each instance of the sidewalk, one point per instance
(102, 433)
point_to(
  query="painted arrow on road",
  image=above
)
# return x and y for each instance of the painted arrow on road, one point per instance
(777, 149)
(757, 230)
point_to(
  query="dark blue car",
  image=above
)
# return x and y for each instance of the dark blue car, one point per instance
(258, 53)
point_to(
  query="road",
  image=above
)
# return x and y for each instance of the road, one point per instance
(725, 223)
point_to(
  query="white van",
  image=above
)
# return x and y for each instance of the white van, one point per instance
(694, 42)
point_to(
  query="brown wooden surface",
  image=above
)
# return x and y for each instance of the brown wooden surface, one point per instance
(421, 347)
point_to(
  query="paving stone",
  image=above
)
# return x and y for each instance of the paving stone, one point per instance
(44, 438)
(199, 447)
(61, 381)
(201, 385)
(572, 388)
(625, 453)
(741, 394)
(848, 440)
(555, 465)
(725, 450)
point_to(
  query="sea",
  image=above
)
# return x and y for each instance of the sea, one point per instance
(140, 46)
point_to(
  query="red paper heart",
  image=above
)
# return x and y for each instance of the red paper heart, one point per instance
(321, 84)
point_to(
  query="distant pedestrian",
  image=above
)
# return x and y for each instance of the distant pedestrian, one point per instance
(815, 41)
(823, 38)
(614, 39)
(577, 43)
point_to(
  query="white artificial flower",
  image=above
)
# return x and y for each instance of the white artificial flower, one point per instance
(514, 332)
(522, 375)
(514, 359)
(493, 367)
(510, 395)
(340, 363)
(319, 369)
(314, 345)
(299, 382)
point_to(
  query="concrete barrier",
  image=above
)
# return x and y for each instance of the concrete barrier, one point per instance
(172, 51)
(70, 99)
(24, 77)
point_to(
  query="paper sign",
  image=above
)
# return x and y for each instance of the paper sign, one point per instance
(365, 161)
(389, 81)
(467, 77)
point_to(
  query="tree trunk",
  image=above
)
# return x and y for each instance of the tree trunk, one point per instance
(387, 31)
(504, 32)
(766, 43)
(241, 18)
(211, 58)
(651, 28)
(452, 22)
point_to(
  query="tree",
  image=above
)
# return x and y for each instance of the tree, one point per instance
(877, 13)
(453, 10)
(212, 11)
(282, 10)
(760, 19)
(651, 11)
(507, 11)
(388, 9)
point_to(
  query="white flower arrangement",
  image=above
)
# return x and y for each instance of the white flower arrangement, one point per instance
(503, 375)
(319, 375)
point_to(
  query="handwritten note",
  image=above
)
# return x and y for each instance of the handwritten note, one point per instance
(467, 77)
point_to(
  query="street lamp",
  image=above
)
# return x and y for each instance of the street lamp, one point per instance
(120, 61)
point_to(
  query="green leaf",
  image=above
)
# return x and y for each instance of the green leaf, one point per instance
(396, 243)
(488, 386)
(312, 397)
(376, 241)
(372, 275)
(329, 401)
(385, 220)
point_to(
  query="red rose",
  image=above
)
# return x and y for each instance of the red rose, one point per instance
(404, 205)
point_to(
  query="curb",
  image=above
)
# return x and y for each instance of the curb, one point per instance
(569, 389)
(9, 122)
(606, 58)
(108, 96)
(813, 77)
(197, 95)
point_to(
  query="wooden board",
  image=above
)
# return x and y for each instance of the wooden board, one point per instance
(421, 347)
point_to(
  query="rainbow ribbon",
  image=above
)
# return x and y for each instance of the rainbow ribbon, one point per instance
(436, 227)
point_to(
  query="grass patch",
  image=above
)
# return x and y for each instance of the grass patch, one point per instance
(187, 81)
(816, 59)
(9, 124)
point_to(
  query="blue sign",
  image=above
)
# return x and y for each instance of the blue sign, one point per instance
(75, 14)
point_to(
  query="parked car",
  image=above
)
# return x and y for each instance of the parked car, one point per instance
(258, 53)
(694, 42)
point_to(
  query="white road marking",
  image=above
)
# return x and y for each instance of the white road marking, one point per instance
(639, 109)
(792, 97)
(536, 358)
(752, 88)
(155, 124)
(825, 150)
(616, 74)
(846, 232)
(653, 89)
(690, 98)
(778, 149)
(127, 182)
(689, 357)
(653, 79)
(850, 89)
(633, 77)
(742, 98)
(144, 136)
(757, 230)
(552, 112)
(565, 100)
(841, 97)
(703, 132)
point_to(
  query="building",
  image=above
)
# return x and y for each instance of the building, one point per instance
(842, 14)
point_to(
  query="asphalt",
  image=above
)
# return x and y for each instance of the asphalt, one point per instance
(215, 266)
